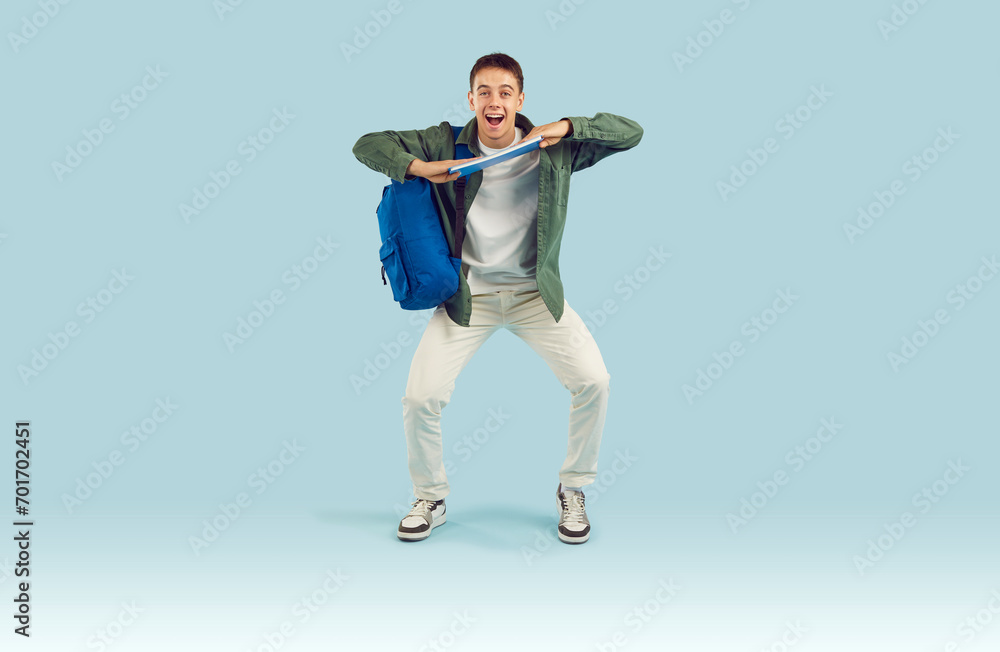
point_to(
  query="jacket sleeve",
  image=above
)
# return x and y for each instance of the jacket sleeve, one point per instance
(390, 152)
(601, 136)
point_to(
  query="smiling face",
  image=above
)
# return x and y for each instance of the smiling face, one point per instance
(496, 98)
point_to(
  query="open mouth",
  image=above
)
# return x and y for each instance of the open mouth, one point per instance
(494, 119)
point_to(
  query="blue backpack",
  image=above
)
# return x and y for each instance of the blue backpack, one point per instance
(422, 272)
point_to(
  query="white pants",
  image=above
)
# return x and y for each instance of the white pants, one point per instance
(445, 348)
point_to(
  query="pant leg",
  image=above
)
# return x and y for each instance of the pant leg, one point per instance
(444, 350)
(571, 352)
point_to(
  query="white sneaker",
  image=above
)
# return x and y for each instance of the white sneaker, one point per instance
(424, 517)
(573, 524)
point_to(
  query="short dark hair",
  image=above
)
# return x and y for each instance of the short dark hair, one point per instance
(498, 60)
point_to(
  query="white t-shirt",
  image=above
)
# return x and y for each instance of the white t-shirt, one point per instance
(501, 246)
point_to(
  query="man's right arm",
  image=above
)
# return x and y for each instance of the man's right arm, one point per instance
(405, 155)
(392, 152)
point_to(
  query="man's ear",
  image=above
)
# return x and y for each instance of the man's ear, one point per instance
(520, 101)
(472, 107)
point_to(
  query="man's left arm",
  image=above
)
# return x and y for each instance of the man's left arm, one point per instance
(592, 139)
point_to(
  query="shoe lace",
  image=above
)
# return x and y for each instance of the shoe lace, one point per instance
(420, 505)
(573, 507)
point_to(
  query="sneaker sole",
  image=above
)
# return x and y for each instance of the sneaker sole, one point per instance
(566, 539)
(420, 536)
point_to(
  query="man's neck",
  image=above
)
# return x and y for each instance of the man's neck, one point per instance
(513, 137)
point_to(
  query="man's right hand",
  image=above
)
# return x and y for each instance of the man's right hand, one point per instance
(435, 171)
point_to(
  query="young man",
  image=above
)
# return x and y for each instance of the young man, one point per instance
(515, 214)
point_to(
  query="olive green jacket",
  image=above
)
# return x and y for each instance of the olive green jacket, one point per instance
(592, 139)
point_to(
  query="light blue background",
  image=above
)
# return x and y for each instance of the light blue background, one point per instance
(335, 505)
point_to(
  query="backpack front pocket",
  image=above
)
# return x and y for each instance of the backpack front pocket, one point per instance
(392, 266)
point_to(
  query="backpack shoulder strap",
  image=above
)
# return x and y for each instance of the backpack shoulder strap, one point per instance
(461, 151)
(458, 228)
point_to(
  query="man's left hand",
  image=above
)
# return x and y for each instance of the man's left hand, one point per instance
(552, 132)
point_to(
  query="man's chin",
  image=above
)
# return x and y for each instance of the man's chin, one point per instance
(488, 133)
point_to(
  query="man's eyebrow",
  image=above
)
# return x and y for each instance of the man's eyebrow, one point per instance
(501, 86)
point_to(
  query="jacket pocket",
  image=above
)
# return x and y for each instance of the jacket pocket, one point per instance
(392, 264)
(560, 183)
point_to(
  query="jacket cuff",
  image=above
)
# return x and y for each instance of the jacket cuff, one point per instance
(399, 164)
(579, 126)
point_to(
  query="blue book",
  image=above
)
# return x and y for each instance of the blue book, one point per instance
(499, 157)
